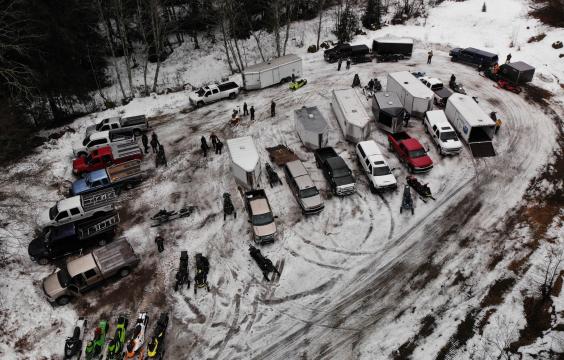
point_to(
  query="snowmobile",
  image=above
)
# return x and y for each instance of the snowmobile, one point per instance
(182, 276)
(456, 87)
(356, 81)
(73, 344)
(422, 189)
(164, 216)
(115, 347)
(95, 346)
(135, 344)
(228, 207)
(263, 263)
(418, 74)
(155, 348)
(202, 269)
(298, 84)
(273, 177)
(506, 85)
(407, 201)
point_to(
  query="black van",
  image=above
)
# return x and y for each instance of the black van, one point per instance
(473, 57)
(357, 53)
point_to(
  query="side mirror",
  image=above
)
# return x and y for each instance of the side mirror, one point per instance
(276, 217)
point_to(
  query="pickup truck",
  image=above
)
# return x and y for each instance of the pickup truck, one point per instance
(261, 218)
(303, 188)
(80, 275)
(106, 156)
(335, 171)
(211, 93)
(441, 93)
(410, 152)
(78, 208)
(104, 138)
(120, 176)
(137, 124)
(375, 166)
(72, 238)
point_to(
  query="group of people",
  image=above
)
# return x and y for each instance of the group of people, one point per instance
(348, 62)
(216, 144)
(157, 148)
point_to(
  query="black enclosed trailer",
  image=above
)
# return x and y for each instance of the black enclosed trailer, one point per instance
(388, 111)
(517, 72)
(392, 49)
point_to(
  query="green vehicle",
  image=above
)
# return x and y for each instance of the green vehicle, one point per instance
(115, 347)
(95, 346)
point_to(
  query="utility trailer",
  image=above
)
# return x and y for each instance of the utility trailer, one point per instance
(275, 71)
(388, 111)
(415, 97)
(312, 127)
(351, 115)
(245, 164)
(392, 49)
(517, 72)
(472, 124)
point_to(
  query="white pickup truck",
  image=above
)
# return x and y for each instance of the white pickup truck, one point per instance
(101, 139)
(211, 93)
(375, 166)
(78, 208)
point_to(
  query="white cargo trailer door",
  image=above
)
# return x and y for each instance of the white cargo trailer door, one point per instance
(266, 78)
(252, 80)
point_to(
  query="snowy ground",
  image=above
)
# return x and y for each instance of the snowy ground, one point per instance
(357, 279)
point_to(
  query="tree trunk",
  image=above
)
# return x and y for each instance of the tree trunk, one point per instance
(144, 36)
(321, 3)
(288, 20)
(158, 35)
(124, 43)
(239, 54)
(223, 32)
(277, 26)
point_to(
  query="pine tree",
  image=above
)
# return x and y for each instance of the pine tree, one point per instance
(372, 15)
(347, 24)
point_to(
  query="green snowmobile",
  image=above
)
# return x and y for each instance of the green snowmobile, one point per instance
(115, 347)
(298, 84)
(95, 346)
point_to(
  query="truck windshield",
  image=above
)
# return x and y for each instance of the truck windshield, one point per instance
(262, 219)
(309, 192)
(53, 212)
(201, 92)
(63, 277)
(448, 135)
(381, 171)
(417, 153)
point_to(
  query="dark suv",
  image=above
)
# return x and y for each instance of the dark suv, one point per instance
(357, 53)
(473, 56)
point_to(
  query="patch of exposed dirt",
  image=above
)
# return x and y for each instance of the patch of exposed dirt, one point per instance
(496, 293)
(405, 351)
(536, 38)
(485, 320)
(549, 12)
(464, 332)
(537, 94)
(538, 313)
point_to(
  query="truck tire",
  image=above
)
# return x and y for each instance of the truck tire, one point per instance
(128, 186)
(372, 188)
(411, 170)
(43, 261)
(124, 272)
(102, 242)
(63, 300)
(232, 96)
(137, 132)
(200, 104)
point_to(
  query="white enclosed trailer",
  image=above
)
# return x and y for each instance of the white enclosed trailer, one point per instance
(472, 123)
(245, 164)
(275, 71)
(415, 97)
(351, 115)
(312, 127)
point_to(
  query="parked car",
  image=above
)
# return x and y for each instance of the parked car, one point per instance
(137, 124)
(260, 216)
(211, 93)
(120, 176)
(410, 152)
(473, 56)
(72, 238)
(101, 139)
(336, 171)
(78, 208)
(82, 274)
(305, 192)
(442, 132)
(375, 166)
(106, 156)
(357, 53)
(441, 92)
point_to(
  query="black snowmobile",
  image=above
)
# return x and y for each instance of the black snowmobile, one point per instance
(73, 344)
(422, 189)
(155, 348)
(263, 263)
(273, 177)
(407, 201)
(202, 269)
(182, 276)
(228, 207)
(164, 216)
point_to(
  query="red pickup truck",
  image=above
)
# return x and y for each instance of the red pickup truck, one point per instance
(410, 152)
(106, 156)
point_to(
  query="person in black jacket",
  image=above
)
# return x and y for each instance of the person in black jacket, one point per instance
(204, 146)
(218, 147)
(245, 110)
(155, 143)
(159, 240)
(272, 109)
(145, 141)
(252, 113)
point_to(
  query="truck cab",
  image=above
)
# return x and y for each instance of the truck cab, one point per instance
(442, 132)
(410, 152)
(260, 216)
(106, 156)
(301, 185)
(336, 171)
(375, 167)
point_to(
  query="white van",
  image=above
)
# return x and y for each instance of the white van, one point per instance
(375, 166)
(442, 132)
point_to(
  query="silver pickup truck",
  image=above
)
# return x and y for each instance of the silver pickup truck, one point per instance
(88, 271)
(137, 124)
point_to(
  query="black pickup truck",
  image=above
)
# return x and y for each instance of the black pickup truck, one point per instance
(335, 171)
(357, 53)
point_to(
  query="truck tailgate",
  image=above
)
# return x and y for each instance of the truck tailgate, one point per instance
(98, 199)
(482, 149)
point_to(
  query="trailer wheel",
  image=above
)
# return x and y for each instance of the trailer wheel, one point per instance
(232, 96)
(124, 272)
(63, 300)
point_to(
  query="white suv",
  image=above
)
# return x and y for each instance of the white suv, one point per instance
(375, 166)
(442, 132)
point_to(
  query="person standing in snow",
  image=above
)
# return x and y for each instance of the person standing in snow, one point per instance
(252, 113)
(154, 143)
(245, 110)
(159, 240)
(204, 146)
(508, 59)
(218, 147)
(214, 139)
(429, 56)
(348, 63)
(145, 141)
(406, 117)
(272, 109)
(161, 156)
(339, 64)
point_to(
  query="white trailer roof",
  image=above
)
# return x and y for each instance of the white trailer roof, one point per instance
(412, 84)
(394, 40)
(282, 60)
(467, 106)
(311, 119)
(243, 152)
(352, 107)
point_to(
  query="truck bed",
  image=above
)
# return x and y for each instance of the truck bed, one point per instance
(227, 86)
(124, 171)
(114, 256)
(323, 154)
(400, 136)
(98, 226)
(133, 120)
(98, 199)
